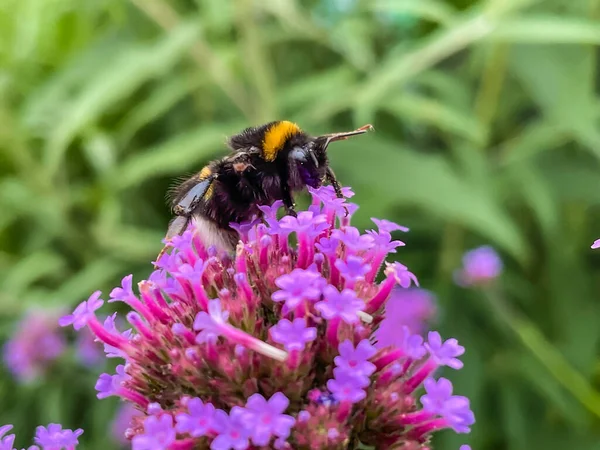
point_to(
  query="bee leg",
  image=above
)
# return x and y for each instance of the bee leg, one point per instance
(162, 252)
(337, 187)
(177, 226)
(286, 194)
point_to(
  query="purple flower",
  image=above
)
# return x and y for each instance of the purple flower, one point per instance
(402, 275)
(6, 442)
(347, 386)
(54, 437)
(109, 325)
(34, 346)
(382, 240)
(480, 266)
(355, 360)
(411, 307)
(83, 312)
(388, 226)
(199, 420)
(327, 193)
(306, 223)
(298, 286)
(438, 393)
(122, 421)
(270, 212)
(123, 293)
(108, 385)
(210, 322)
(331, 203)
(244, 228)
(444, 353)
(332, 433)
(353, 240)
(353, 268)
(212, 327)
(328, 246)
(158, 434)
(233, 430)
(154, 409)
(183, 241)
(88, 350)
(337, 206)
(303, 416)
(401, 338)
(293, 335)
(412, 344)
(345, 305)
(267, 418)
(454, 408)
(596, 243)
(465, 447)
(192, 273)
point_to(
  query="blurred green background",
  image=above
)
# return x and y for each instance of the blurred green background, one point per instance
(487, 132)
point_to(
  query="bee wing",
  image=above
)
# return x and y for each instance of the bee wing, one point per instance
(186, 204)
(177, 226)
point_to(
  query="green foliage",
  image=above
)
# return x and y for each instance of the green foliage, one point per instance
(486, 116)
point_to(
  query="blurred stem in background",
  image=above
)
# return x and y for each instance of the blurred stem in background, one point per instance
(535, 342)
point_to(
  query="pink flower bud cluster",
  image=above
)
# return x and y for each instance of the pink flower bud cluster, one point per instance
(275, 346)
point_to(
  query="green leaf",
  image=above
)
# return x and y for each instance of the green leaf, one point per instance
(28, 270)
(158, 103)
(547, 30)
(89, 279)
(124, 71)
(547, 73)
(423, 110)
(536, 138)
(431, 10)
(403, 177)
(527, 182)
(181, 154)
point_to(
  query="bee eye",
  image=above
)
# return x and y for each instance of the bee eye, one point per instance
(298, 154)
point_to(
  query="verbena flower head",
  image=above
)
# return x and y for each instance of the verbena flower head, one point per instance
(275, 346)
(52, 437)
(413, 308)
(123, 420)
(35, 345)
(480, 266)
(88, 350)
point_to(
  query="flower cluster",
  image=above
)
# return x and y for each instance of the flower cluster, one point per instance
(52, 437)
(38, 342)
(276, 346)
(481, 266)
(35, 345)
(414, 308)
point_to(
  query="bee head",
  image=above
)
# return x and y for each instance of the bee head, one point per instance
(307, 155)
(310, 153)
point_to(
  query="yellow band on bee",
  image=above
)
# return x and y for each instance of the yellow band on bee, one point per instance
(205, 173)
(209, 192)
(276, 137)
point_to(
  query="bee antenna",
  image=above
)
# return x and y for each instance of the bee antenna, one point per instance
(345, 135)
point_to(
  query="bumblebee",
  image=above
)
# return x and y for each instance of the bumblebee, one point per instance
(266, 163)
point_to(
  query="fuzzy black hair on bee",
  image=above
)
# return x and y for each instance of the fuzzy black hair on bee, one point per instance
(267, 163)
